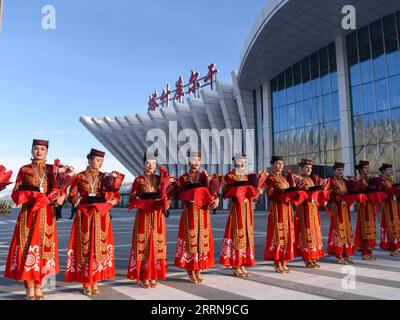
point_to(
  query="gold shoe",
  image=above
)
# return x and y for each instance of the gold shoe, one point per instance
(87, 291)
(95, 289)
(199, 278)
(278, 268)
(39, 294)
(309, 264)
(341, 261)
(153, 284)
(146, 284)
(246, 274)
(193, 279)
(395, 253)
(350, 261)
(367, 257)
(237, 273)
(285, 269)
(316, 265)
(30, 296)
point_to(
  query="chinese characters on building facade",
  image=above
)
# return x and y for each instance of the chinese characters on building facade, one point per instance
(182, 89)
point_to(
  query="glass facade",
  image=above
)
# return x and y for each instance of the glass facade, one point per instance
(305, 110)
(374, 65)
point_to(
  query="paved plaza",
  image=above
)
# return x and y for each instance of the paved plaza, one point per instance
(378, 279)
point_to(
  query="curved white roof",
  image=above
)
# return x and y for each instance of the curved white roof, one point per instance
(286, 31)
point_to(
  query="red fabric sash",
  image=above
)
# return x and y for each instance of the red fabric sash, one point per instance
(165, 181)
(321, 198)
(200, 195)
(393, 191)
(263, 177)
(37, 199)
(376, 198)
(149, 205)
(112, 195)
(241, 193)
(327, 211)
(350, 199)
(4, 177)
(55, 193)
(295, 196)
(103, 208)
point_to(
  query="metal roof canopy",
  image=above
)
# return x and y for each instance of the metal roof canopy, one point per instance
(289, 30)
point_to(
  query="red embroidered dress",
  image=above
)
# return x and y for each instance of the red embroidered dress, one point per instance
(341, 239)
(148, 259)
(366, 226)
(195, 246)
(390, 225)
(238, 244)
(308, 243)
(280, 233)
(33, 253)
(90, 256)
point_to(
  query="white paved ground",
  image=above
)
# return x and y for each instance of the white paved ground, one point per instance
(378, 279)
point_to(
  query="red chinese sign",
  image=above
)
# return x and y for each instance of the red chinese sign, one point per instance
(153, 104)
(165, 96)
(180, 90)
(211, 76)
(194, 82)
(178, 95)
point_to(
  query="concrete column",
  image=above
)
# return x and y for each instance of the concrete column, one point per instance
(346, 129)
(267, 124)
(259, 127)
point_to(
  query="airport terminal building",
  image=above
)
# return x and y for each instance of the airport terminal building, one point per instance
(305, 87)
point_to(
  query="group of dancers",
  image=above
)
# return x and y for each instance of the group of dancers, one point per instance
(39, 187)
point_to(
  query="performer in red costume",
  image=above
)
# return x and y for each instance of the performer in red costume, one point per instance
(238, 244)
(90, 257)
(33, 253)
(366, 227)
(148, 259)
(195, 247)
(341, 239)
(309, 244)
(390, 225)
(280, 234)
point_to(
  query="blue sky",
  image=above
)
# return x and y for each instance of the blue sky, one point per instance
(104, 58)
